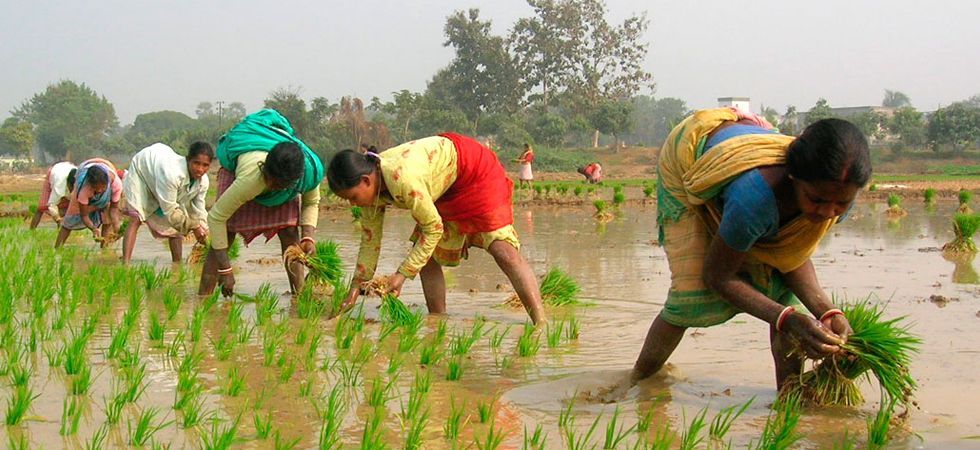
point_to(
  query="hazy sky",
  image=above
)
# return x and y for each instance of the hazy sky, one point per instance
(156, 55)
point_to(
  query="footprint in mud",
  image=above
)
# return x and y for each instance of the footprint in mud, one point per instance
(592, 388)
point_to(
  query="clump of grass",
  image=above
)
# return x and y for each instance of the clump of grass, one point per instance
(965, 196)
(530, 342)
(558, 288)
(929, 195)
(964, 227)
(878, 347)
(895, 206)
(602, 213)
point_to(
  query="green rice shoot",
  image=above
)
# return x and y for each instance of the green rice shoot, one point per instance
(879, 347)
(558, 288)
(964, 227)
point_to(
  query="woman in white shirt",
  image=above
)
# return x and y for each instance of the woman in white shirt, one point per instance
(166, 191)
(58, 185)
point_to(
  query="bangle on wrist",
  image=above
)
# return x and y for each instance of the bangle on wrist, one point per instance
(831, 313)
(225, 271)
(307, 238)
(788, 311)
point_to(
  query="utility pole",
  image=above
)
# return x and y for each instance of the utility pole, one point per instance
(221, 105)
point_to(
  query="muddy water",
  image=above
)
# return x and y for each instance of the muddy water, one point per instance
(624, 273)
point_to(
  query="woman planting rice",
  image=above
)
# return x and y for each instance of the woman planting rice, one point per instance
(740, 211)
(58, 186)
(94, 199)
(268, 184)
(167, 191)
(459, 196)
(526, 176)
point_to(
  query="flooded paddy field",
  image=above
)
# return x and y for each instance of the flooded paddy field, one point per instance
(251, 372)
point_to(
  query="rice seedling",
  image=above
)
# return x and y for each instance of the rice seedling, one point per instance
(235, 384)
(307, 303)
(331, 418)
(577, 191)
(454, 421)
(172, 301)
(173, 350)
(287, 370)
(566, 417)
(350, 372)
(602, 213)
(618, 199)
(222, 435)
(497, 338)
(576, 441)
(157, 328)
(878, 425)
(54, 356)
(648, 190)
(144, 428)
(325, 264)
(193, 412)
(895, 209)
(393, 310)
(643, 423)
(558, 288)
(722, 422)
(272, 340)
(554, 333)
(266, 303)
(306, 386)
(114, 407)
(929, 195)
(693, 435)
(97, 441)
(485, 410)
(313, 349)
(615, 434)
(572, 327)
(455, 368)
(373, 437)
(263, 425)
(134, 386)
(413, 436)
(282, 444)
(964, 227)
(223, 346)
(407, 341)
(195, 325)
(530, 342)
(431, 353)
(537, 440)
(235, 320)
(82, 382)
(878, 347)
(846, 442)
(965, 196)
(19, 403)
(493, 439)
(538, 189)
(380, 392)
(779, 432)
(152, 279)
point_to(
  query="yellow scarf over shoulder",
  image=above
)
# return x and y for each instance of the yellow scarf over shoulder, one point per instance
(693, 179)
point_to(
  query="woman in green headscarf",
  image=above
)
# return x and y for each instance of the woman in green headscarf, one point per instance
(269, 183)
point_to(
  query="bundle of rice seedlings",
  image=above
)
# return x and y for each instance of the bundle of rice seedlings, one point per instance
(602, 213)
(964, 227)
(324, 264)
(619, 198)
(557, 289)
(393, 310)
(878, 347)
(929, 195)
(895, 206)
(965, 197)
(199, 252)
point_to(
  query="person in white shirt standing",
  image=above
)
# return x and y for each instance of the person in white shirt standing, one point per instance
(166, 191)
(58, 184)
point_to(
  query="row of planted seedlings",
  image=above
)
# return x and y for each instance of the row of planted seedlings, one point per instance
(895, 209)
(254, 370)
(565, 192)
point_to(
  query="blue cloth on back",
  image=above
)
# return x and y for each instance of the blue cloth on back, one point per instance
(748, 205)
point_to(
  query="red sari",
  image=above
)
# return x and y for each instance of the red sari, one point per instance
(480, 199)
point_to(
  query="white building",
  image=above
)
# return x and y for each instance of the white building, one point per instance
(743, 103)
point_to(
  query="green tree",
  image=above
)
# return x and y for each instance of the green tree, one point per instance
(403, 110)
(482, 77)
(771, 115)
(909, 126)
(872, 123)
(169, 127)
(234, 112)
(288, 103)
(821, 110)
(16, 137)
(612, 117)
(957, 126)
(548, 128)
(69, 117)
(654, 118)
(790, 121)
(895, 99)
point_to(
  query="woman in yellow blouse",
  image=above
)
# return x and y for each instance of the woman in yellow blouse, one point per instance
(459, 196)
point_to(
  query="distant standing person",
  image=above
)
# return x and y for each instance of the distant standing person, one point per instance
(460, 197)
(592, 172)
(58, 186)
(94, 201)
(166, 191)
(526, 175)
(269, 184)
